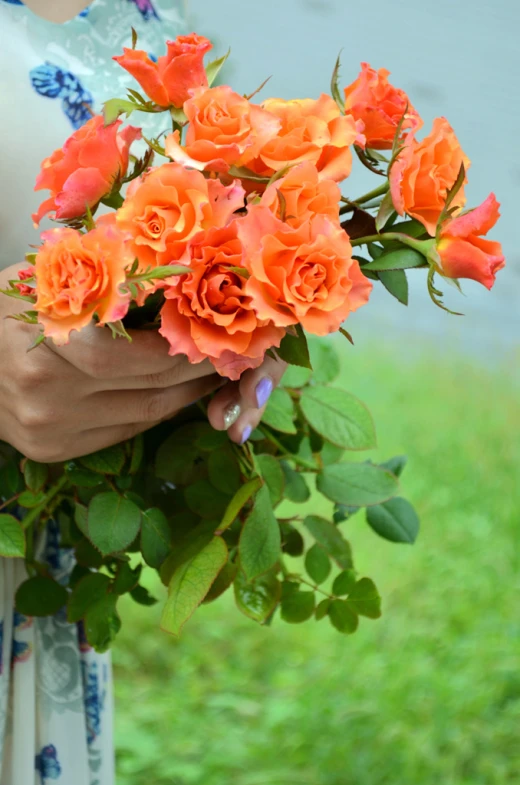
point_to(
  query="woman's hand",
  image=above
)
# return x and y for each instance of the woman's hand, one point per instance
(62, 402)
(238, 407)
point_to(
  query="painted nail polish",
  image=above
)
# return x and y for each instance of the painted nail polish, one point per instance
(231, 414)
(246, 433)
(264, 388)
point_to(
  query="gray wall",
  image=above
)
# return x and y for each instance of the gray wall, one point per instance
(458, 59)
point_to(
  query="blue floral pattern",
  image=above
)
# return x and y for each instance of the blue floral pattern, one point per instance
(53, 82)
(47, 764)
(146, 9)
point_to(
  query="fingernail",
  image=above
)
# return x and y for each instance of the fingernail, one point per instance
(231, 414)
(264, 388)
(246, 433)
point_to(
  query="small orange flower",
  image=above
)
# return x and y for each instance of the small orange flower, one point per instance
(224, 130)
(463, 251)
(380, 106)
(209, 314)
(79, 275)
(176, 76)
(88, 166)
(305, 195)
(305, 275)
(311, 130)
(425, 171)
(165, 208)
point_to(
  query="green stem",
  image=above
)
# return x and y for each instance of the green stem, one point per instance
(423, 246)
(33, 514)
(9, 501)
(379, 191)
(300, 461)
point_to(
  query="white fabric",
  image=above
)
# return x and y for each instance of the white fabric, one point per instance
(55, 692)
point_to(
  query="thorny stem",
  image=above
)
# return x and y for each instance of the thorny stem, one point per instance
(9, 501)
(379, 191)
(418, 245)
(33, 514)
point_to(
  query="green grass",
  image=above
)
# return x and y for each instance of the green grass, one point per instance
(427, 695)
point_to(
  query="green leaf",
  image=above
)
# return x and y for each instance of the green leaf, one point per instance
(343, 617)
(258, 598)
(395, 465)
(329, 537)
(239, 500)
(272, 472)
(322, 609)
(364, 599)
(213, 68)
(386, 210)
(395, 520)
(80, 518)
(294, 349)
(280, 412)
(317, 564)
(334, 89)
(395, 282)
(35, 475)
(156, 537)
(292, 541)
(40, 596)
(115, 107)
(205, 500)
(102, 623)
(295, 377)
(260, 541)
(357, 484)
(324, 360)
(12, 538)
(339, 417)
(296, 489)
(81, 477)
(401, 259)
(298, 606)
(190, 583)
(344, 582)
(87, 591)
(186, 549)
(10, 479)
(112, 522)
(137, 453)
(108, 461)
(330, 453)
(30, 499)
(142, 596)
(87, 555)
(222, 582)
(224, 471)
(176, 458)
(126, 578)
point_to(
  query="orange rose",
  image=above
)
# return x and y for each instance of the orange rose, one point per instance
(305, 275)
(176, 76)
(311, 130)
(208, 313)
(79, 275)
(463, 251)
(425, 171)
(86, 169)
(380, 106)
(168, 206)
(305, 195)
(224, 130)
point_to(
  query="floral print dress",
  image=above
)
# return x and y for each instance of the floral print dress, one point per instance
(55, 692)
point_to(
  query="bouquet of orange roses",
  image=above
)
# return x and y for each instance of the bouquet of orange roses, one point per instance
(229, 234)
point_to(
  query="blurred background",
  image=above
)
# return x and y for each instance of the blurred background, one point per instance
(430, 692)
